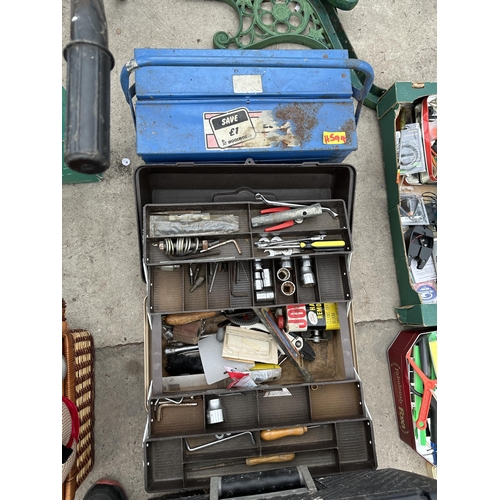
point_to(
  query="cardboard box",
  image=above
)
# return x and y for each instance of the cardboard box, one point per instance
(412, 310)
(401, 381)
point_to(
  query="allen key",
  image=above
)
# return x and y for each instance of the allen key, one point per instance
(233, 280)
(217, 441)
(219, 244)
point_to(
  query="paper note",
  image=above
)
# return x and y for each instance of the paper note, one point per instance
(213, 362)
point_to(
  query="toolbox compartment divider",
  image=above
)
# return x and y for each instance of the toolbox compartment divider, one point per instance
(330, 270)
(246, 235)
(315, 405)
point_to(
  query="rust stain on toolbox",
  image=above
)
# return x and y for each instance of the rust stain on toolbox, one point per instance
(303, 117)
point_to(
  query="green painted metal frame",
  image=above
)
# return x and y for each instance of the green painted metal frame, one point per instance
(312, 23)
(411, 311)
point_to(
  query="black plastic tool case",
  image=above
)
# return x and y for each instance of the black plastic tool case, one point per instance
(340, 435)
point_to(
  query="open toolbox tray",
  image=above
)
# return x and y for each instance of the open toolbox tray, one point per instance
(345, 445)
(232, 285)
(331, 271)
(334, 362)
(190, 183)
(339, 435)
(247, 235)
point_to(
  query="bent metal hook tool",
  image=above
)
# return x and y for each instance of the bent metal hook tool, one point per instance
(217, 441)
(260, 197)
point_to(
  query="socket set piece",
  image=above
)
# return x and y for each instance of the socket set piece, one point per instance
(215, 412)
(198, 282)
(283, 274)
(288, 288)
(306, 273)
(262, 282)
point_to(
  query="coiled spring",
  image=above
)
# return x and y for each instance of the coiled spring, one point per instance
(179, 247)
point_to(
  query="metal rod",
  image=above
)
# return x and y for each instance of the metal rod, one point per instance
(174, 350)
(213, 278)
(219, 441)
(260, 197)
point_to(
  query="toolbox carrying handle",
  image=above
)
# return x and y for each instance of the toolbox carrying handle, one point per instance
(196, 60)
(275, 483)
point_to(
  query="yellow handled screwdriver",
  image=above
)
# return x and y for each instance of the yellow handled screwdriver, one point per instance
(308, 245)
(321, 245)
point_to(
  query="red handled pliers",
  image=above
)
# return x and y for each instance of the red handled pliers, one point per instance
(283, 225)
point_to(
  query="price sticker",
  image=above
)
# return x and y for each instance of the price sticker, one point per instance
(232, 128)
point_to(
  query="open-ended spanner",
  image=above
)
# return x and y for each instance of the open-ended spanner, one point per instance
(287, 251)
(277, 241)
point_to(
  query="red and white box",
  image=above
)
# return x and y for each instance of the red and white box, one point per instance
(404, 398)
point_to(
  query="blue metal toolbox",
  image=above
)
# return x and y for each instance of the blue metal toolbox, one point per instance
(226, 106)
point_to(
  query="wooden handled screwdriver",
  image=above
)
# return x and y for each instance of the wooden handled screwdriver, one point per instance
(273, 434)
(185, 318)
(269, 459)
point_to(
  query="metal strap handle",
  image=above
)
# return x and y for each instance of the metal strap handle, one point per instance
(223, 59)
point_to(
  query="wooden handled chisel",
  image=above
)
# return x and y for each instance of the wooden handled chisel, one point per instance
(185, 318)
(266, 459)
(273, 434)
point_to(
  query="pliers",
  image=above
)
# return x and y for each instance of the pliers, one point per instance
(278, 227)
(297, 214)
(428, 393)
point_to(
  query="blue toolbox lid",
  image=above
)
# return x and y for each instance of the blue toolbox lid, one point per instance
(273, 105)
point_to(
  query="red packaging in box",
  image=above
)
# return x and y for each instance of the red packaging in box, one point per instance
(403, 376)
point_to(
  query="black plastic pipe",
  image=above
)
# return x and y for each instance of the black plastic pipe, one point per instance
(89, 63)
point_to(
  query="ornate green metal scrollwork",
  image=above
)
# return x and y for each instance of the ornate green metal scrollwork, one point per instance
(266, 22)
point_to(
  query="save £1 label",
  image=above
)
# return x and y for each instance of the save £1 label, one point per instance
(232, 128)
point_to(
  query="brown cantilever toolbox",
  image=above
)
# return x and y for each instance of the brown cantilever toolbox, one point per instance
(198, 427)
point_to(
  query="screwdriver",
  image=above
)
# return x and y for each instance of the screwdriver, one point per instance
(309, 245)
(321, 245)
(269, 459)
(273, 434)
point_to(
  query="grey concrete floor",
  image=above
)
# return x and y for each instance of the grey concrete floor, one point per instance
(101, 274)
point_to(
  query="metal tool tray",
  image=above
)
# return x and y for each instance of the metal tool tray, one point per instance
(334, 361)
(339, 437)
(331, 271)
(238, 182)
(226, 292)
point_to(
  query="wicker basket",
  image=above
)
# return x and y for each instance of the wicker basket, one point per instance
(78, 386)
